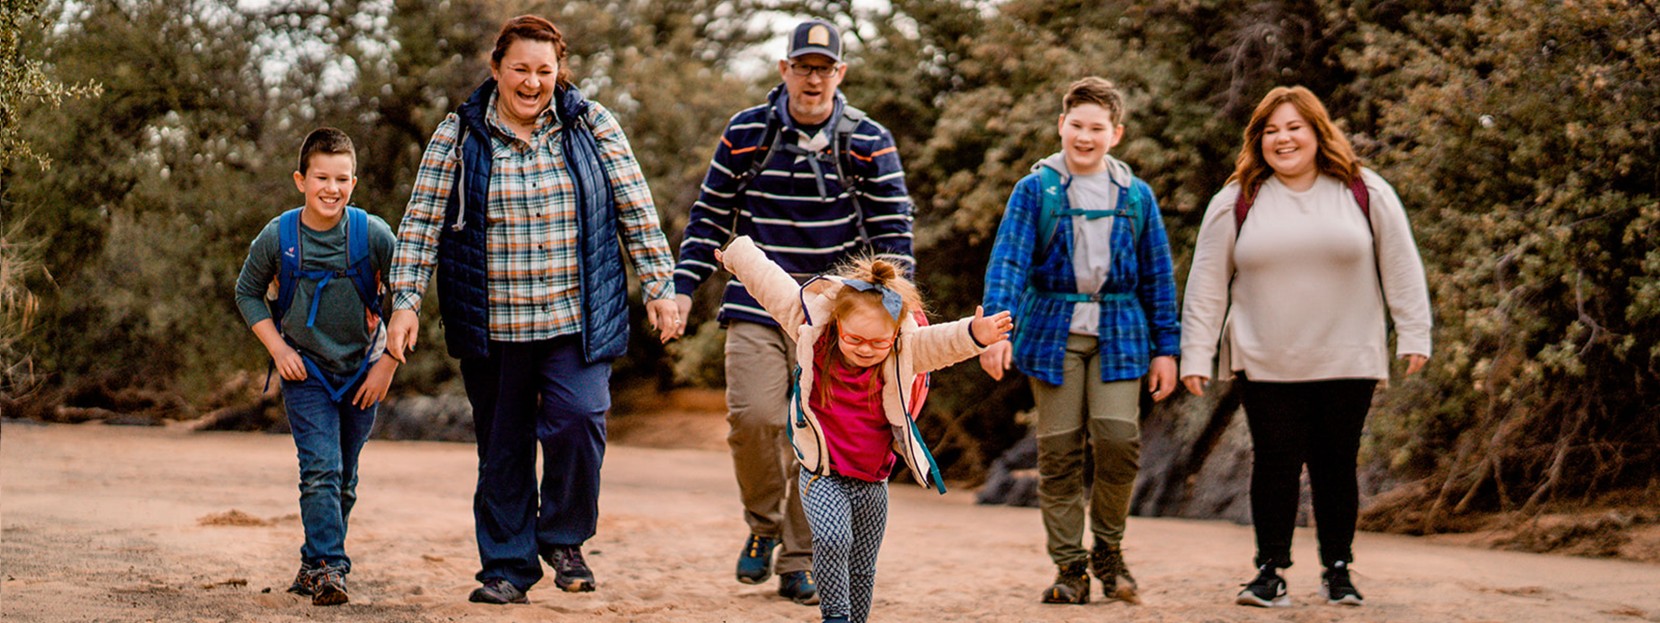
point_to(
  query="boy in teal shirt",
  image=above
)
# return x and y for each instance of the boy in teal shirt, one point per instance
(311, 290)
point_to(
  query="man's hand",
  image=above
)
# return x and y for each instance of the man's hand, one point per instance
(996, 359)
(1195, 384)
(375, 383)
(401, 333)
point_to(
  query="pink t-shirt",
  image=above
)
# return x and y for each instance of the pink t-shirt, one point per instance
(856, 431)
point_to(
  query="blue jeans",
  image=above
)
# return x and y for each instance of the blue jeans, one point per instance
(328, 437)
(523, 393)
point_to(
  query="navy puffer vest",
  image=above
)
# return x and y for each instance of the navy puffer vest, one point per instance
(463, 268)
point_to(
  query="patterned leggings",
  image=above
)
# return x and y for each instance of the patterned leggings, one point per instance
(848, 517)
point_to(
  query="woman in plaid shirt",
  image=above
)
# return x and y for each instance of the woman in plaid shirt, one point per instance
(521, 198)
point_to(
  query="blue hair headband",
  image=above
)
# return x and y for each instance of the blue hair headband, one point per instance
(890, 299)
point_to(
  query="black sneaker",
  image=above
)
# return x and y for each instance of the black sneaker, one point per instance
(1107, 563)
(1071, 585)
(498, 591)
(755, 561)
(304, 583)
(1337, 587)
(328, 585)
(799, 587)
(1266, 591)
(570, 572)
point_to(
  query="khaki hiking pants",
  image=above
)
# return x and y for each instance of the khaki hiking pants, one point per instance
(759, 360)
(1083, 415)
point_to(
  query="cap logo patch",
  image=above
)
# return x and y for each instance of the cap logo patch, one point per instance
(818, 35)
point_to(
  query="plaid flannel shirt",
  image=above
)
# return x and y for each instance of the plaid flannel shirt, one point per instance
(1133, 329)
(532, 244)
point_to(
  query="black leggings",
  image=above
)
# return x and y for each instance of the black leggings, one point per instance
(1317, 423)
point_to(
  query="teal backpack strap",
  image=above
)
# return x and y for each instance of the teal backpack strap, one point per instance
(1049, 216)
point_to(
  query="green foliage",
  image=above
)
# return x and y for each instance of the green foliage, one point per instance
(1527, 137)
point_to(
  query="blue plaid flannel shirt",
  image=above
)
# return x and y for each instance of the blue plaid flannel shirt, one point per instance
(1133, 329)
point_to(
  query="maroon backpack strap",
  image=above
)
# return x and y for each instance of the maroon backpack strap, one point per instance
(1241, 206)
(1362, 197)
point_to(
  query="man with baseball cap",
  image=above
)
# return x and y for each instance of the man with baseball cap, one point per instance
(813, 181)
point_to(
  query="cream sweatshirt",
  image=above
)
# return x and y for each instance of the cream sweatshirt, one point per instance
(1300, 293)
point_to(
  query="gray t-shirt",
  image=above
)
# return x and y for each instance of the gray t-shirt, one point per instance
(1091, 244)
(341, 335)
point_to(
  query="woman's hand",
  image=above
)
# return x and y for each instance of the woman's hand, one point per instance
(401, 332)
(664, 316)
(1195, 383)
(1414, 363)
(1161, 377)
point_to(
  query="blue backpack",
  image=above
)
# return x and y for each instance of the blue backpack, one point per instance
(360, 271)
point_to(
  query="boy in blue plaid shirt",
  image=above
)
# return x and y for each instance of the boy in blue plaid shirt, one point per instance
(1082, 262)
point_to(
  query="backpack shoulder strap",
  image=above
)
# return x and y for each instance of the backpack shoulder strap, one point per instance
(1130, 201)
(288, 263)
(1049, 214)
(1363, 197)
(359, 266)
(770, 139)
(1242, 206)
(845, 127)
(843, 146)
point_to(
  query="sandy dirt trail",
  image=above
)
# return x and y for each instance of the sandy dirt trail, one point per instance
(131, 524)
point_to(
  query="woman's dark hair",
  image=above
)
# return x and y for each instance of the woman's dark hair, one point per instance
(532, 28)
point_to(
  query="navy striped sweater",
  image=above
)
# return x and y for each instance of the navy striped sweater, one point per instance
(805, 232)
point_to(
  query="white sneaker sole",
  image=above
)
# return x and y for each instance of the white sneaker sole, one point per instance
(1247, 599)
(1346, 600)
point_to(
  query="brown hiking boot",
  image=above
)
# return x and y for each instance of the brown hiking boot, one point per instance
(1107, 563)
(1071, 585)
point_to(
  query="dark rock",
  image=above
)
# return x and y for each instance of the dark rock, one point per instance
(1013, 478)
(446, 417)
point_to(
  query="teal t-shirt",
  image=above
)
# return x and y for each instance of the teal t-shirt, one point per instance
(341, 335)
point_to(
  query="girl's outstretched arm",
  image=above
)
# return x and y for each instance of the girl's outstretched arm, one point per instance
(766, 281)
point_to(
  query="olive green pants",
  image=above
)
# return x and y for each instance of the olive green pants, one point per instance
(1082, 415)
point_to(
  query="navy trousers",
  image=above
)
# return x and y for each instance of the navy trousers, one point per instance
(524, 393)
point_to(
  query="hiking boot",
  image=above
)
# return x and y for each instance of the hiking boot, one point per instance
(304, 583)
(570, 572)
(328, 585)
(1107, 563)
(798, 586)
(1337, 587)
(498, 591)
(1266, 591)
(1071, 585)
(755, 561)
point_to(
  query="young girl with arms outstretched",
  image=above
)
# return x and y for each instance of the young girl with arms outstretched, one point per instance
(859, 351)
